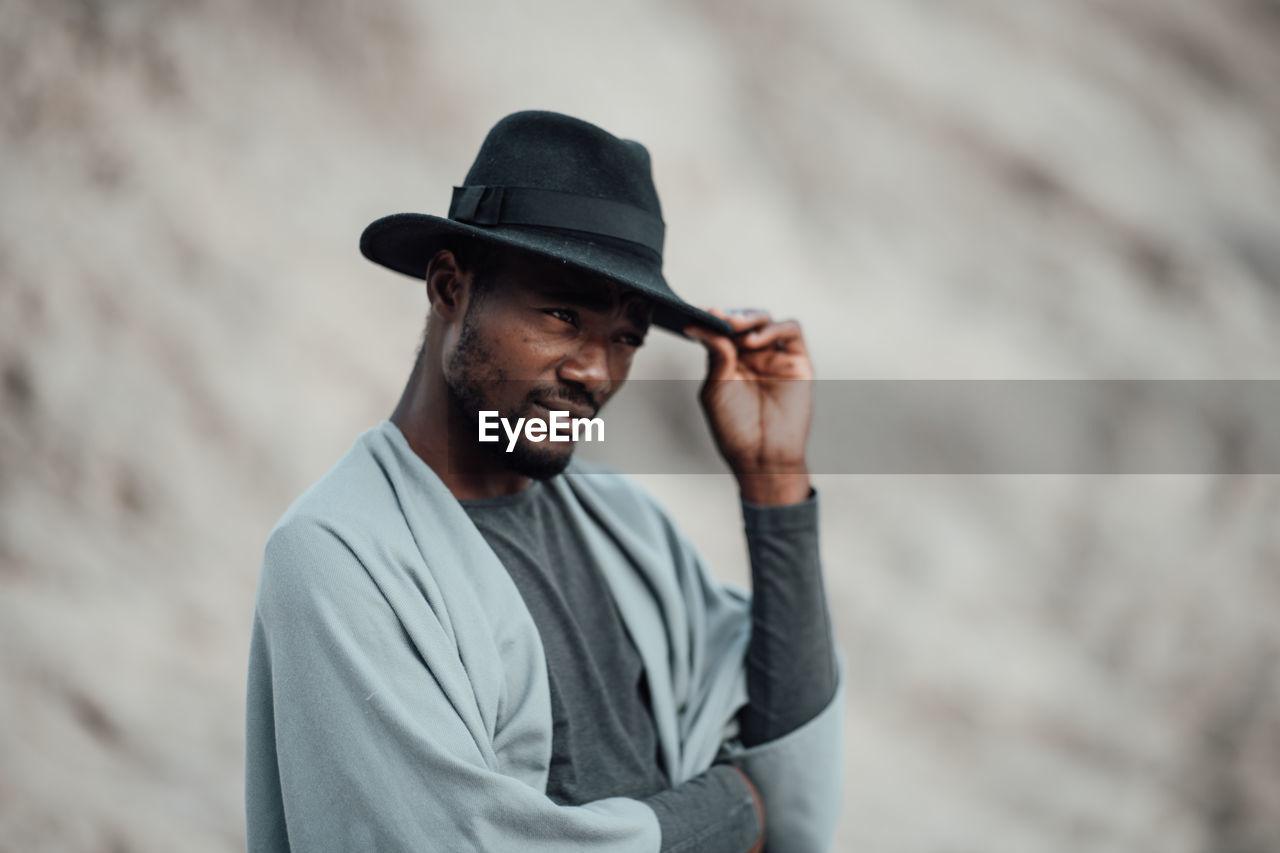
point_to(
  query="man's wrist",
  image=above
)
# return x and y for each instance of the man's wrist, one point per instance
(774, 489)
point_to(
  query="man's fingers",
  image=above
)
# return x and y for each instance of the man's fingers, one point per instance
(701, 333)
(785, 336)
(721, 353)
(743, 319)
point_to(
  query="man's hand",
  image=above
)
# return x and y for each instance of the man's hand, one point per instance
(758, 400)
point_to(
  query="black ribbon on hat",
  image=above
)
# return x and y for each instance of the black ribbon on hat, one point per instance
(481, 205)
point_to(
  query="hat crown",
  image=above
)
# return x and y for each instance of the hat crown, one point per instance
(558, 187)
(550, 151)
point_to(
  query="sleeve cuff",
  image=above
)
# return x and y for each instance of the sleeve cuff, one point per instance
(785, 518)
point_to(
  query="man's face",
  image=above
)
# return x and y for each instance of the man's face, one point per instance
(542, 337)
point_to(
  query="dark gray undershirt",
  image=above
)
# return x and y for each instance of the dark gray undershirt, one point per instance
(791, 661)
(604, 743)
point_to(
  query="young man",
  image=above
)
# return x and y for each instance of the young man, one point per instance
(483, 645)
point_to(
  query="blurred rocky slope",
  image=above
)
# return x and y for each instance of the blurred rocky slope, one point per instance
(188, 337)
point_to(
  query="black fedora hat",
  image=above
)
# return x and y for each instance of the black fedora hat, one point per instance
(559, 187)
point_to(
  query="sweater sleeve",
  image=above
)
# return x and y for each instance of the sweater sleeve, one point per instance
(699, 672)
(714, 812)
(798, 773)
(354, 744)
(791, 668)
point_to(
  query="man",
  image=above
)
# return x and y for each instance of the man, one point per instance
(461, 644)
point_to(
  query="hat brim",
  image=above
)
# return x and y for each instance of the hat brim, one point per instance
(406, 242)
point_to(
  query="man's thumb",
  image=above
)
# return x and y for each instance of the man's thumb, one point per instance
(720, 351)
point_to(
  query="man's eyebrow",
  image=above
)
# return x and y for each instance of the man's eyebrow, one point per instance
(593, 299)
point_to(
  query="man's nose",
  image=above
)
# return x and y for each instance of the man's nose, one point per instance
(588, 366)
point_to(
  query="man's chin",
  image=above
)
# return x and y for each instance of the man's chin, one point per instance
(538, 464)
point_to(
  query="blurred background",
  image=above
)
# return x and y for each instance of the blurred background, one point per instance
(940, 190)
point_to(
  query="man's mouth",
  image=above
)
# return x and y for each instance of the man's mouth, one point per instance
(574, 410)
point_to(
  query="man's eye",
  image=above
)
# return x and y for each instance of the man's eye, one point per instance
(632, 340)
(563, 314)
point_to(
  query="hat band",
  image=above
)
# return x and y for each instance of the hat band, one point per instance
(480, 205)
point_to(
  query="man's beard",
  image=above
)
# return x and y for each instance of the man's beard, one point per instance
(467, 395)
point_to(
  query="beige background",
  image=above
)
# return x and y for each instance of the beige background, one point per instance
(967, 189)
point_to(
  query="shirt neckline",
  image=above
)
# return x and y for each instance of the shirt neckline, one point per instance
(514, 499)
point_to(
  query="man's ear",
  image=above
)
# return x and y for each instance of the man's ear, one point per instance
(448, 287)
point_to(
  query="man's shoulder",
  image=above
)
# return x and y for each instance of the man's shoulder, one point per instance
(353, 499)
(354, 485)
